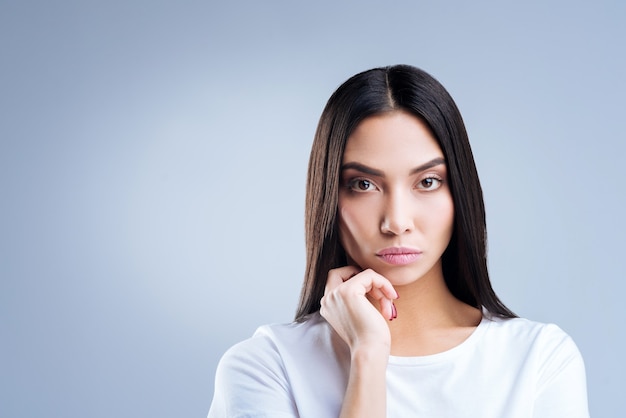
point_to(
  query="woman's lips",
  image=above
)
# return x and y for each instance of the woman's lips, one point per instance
(399, 255)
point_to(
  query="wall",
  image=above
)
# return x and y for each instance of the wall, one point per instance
(152, 165)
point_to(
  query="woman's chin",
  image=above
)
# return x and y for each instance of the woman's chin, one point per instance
(398, 277)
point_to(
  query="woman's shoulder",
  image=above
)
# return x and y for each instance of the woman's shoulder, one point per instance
(255, 374)
(546, 339)
(549, 355)
(523, 327)
(272, 342)
(271, 370)
(281, 351)
(312, 326)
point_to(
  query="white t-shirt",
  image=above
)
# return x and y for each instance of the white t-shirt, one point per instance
(507, 368)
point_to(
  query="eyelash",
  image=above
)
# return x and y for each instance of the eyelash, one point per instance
(437, 179)
(352, 184)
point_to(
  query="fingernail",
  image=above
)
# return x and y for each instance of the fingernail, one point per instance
(394, 311)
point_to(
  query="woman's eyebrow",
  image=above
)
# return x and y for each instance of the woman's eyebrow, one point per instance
(430, 164)
(374, 172)
(363, 169)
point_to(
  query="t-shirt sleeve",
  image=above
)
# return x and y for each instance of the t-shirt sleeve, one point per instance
(250, 382)
(561, 386)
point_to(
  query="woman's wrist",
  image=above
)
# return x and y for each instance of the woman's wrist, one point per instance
(366, 395)
(368, 355)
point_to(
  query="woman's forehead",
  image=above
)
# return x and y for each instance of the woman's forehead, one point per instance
(396, 138)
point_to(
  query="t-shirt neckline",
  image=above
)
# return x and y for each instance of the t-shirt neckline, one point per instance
(464, 346)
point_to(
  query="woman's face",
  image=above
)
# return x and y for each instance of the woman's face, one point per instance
(395, 209)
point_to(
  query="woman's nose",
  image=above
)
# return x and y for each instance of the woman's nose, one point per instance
(397, 216)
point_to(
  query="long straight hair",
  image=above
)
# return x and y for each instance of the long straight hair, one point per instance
(373, 92)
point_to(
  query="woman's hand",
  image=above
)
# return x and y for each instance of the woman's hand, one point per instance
(349, 307)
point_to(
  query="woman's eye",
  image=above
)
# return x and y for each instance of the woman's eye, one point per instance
(361, 185)
(429, 183)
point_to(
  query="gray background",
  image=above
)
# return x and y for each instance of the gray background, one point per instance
(152, 164)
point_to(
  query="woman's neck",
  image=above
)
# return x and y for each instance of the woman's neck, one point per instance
(430, 319)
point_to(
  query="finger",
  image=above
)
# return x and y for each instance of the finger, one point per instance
(367, 282)
(385, 304)
(339, 275)
(376, 283)
(378, 290)
(378, 293)
(388, 309)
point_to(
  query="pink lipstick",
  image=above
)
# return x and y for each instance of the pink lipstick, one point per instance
(399, 256)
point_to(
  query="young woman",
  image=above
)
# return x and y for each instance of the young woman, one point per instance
(397, 316)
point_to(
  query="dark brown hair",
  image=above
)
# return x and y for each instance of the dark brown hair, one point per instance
(377, 91)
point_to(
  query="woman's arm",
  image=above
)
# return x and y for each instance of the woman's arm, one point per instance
(348, 307)
(366, 392)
